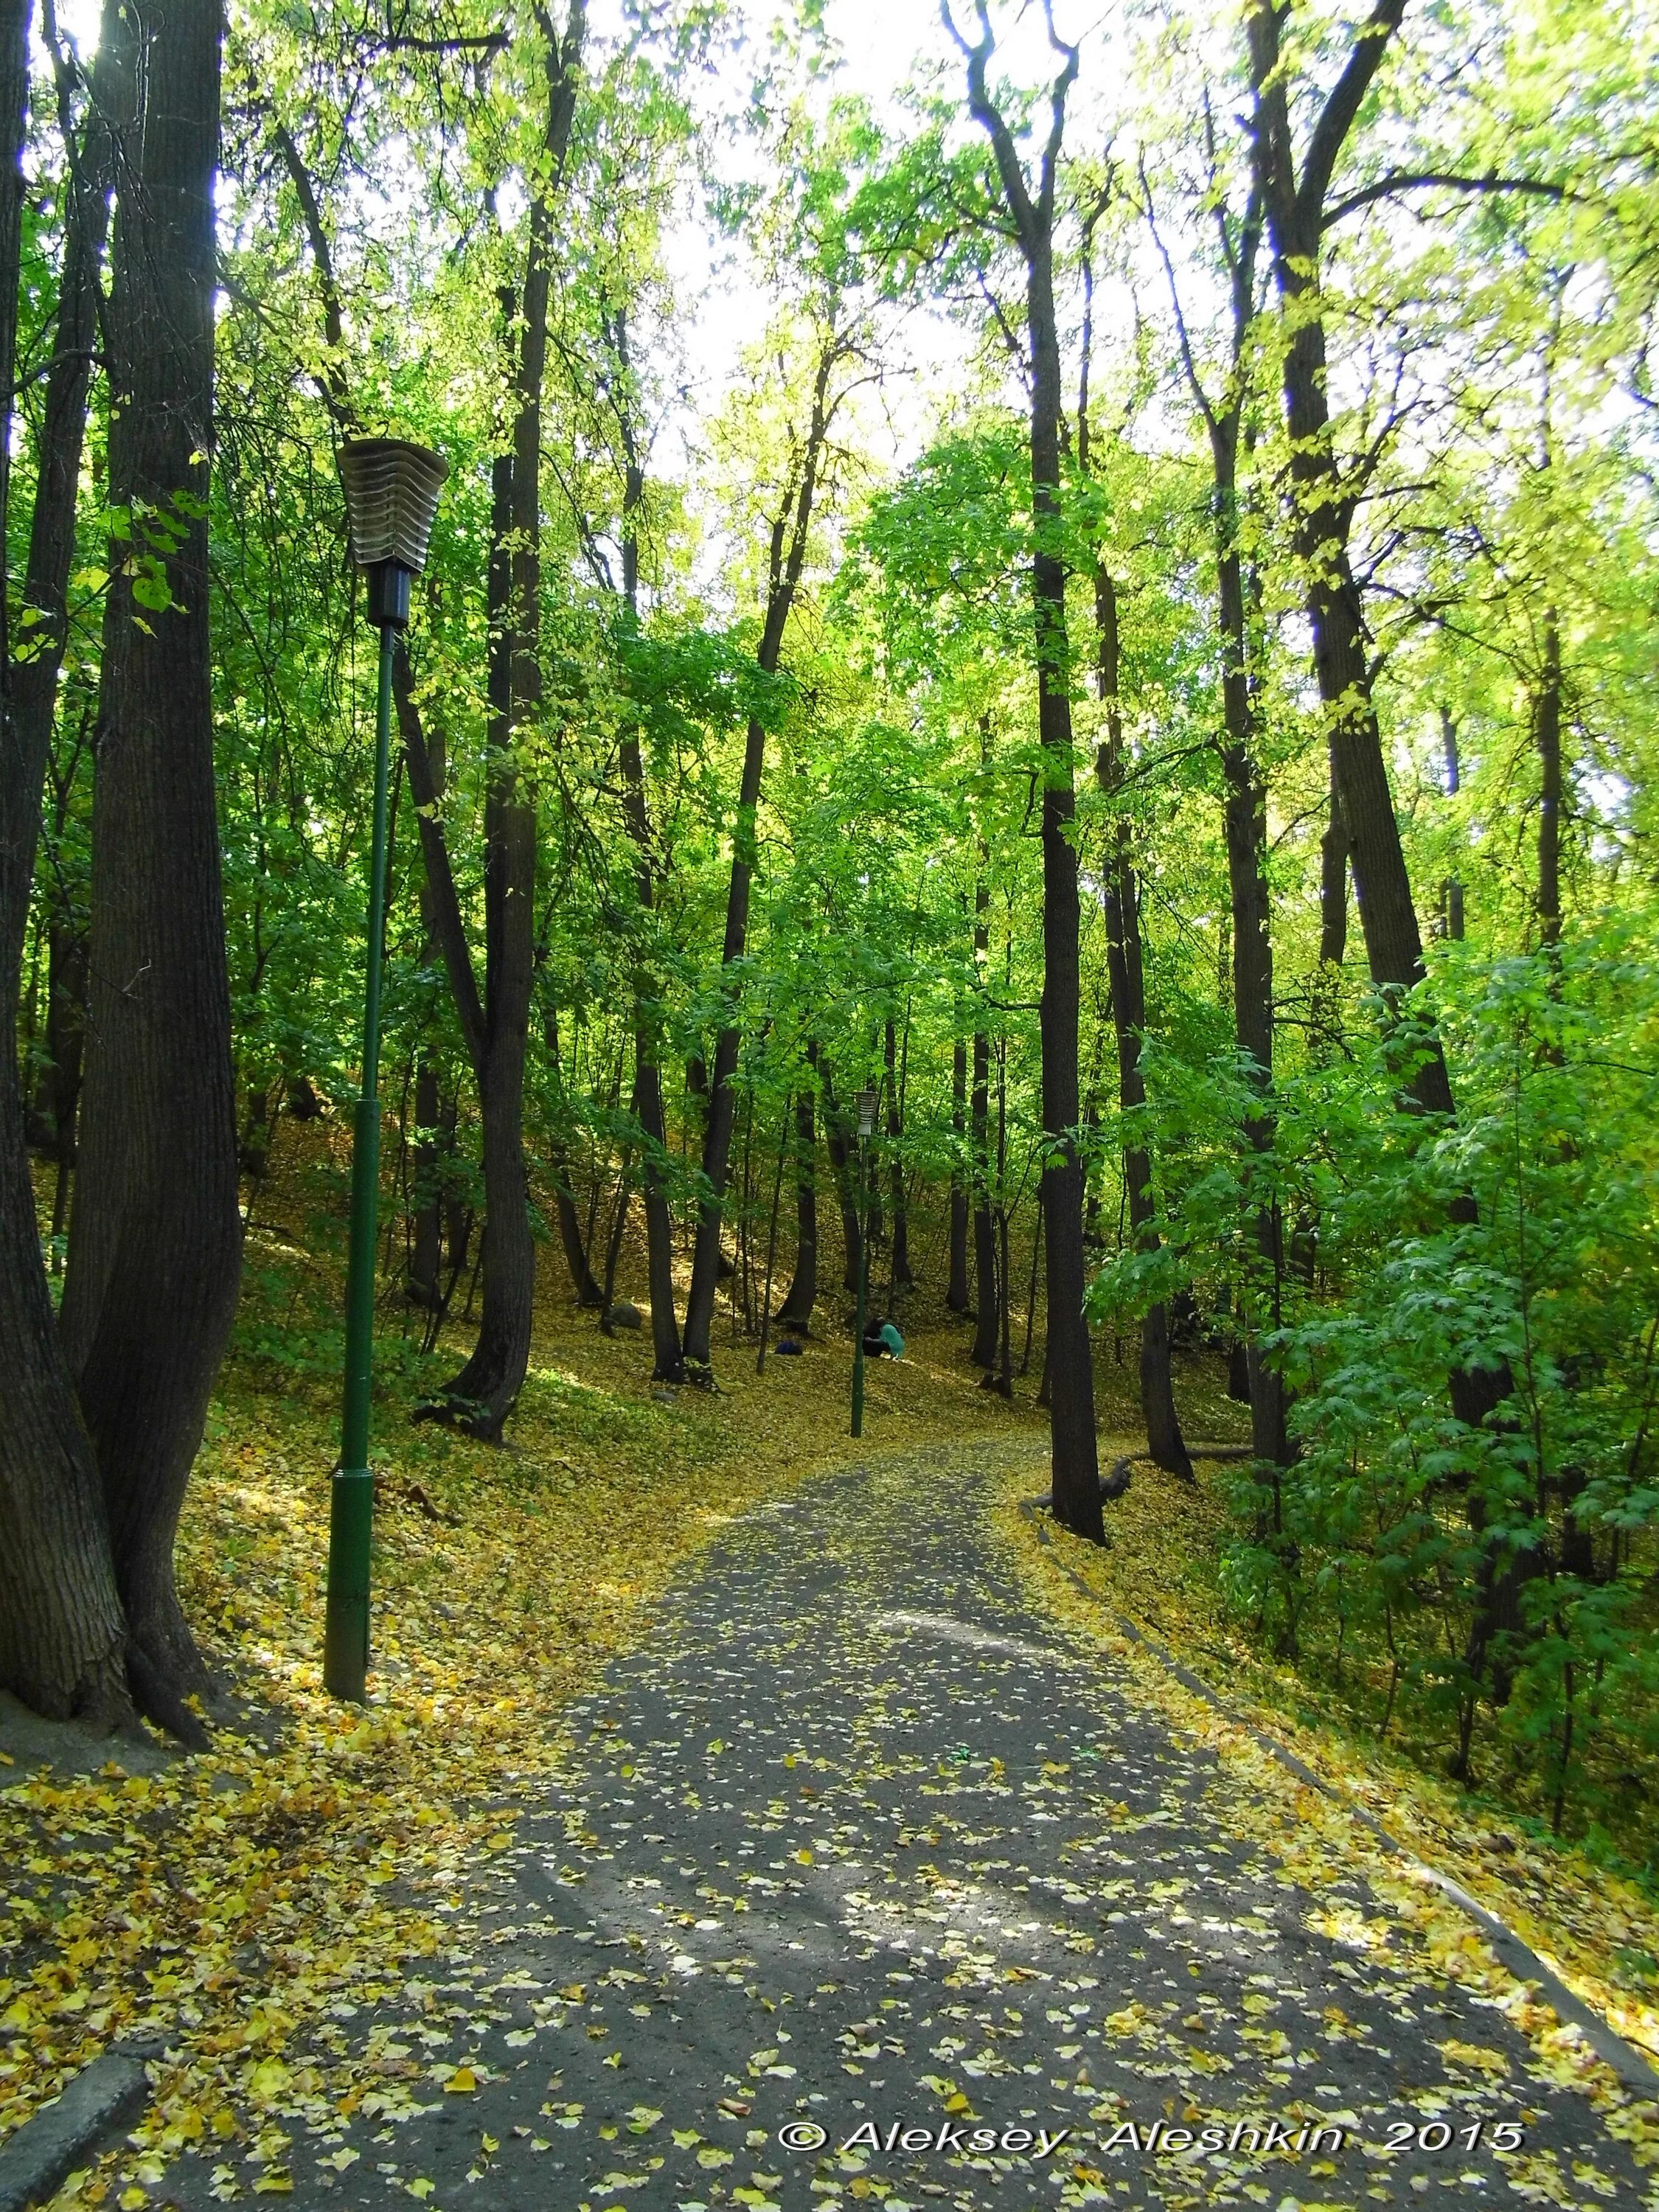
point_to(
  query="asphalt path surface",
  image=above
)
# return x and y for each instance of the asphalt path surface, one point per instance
(870, 1884)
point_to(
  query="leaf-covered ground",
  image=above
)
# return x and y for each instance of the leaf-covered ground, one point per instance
(1599, 1932)
(319, 1919)
(229, 1904)
(860, 1843)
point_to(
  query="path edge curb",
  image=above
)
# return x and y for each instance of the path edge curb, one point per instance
(37, 2158)
(1636, 2071)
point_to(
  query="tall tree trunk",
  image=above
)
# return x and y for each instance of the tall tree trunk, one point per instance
(956, 1294)
(480, 1397)
(1452, 890)
(838, 1143)
(572, 1241)
(426, 1255)
(1295, 216)
(1333, 883)
(426, 1246)
(483, 1395)
(983, 1350)
(790, 530)
(1246, 825)
(32, 683)
(13, 129)
(1071, 1376)
(1294, 211)
(899, 1276)
(63, 1634)
(66, 1012)
(1547, 723)
(155, 1241)
(1125, 969)
(668, 1364)
(803, 1290)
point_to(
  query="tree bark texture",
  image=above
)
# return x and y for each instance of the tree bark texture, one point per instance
(13, 129)
(155, 1239)
(63, 1633)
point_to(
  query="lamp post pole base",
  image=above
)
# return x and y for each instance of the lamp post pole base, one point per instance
(351, 1502)
(345, 1633)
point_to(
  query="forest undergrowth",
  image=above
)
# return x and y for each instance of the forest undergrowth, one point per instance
(1587, 1911)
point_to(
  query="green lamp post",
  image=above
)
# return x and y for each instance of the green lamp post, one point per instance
(391, 496)
(868, 1101)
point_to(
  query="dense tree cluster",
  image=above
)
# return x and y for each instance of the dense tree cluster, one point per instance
(1196, 769)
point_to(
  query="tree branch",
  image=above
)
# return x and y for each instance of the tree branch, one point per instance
(1417, 180)
(440, 876)
(1337, 118)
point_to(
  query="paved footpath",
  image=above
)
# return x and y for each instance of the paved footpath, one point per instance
(869, 1888)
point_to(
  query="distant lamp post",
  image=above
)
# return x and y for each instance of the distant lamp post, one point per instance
(868, 1101)
(391, 496)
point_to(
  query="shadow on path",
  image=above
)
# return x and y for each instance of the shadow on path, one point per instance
(858, 1849)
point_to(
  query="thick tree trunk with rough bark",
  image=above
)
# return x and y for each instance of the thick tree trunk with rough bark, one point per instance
(63, 1631)
(155, 1241)
(13, 129)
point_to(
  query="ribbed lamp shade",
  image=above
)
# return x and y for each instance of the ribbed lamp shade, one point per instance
(392, 491)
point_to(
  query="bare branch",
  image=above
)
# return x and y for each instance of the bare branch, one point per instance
(1337, 118)
(1418, 180)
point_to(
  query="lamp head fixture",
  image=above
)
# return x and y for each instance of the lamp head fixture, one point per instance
(391, 490)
